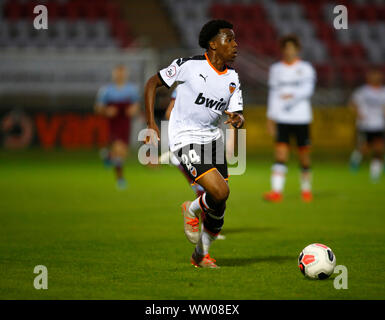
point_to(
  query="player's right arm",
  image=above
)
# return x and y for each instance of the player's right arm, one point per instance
(353, 105)
(169, 109)
(170, 105)
(271, 107)
(149, 100)
(165, 77)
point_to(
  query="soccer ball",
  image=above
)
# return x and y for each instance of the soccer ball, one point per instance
(317, 261)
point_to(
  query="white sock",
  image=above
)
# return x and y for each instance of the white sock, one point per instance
(195, 208)
(306, 178)
(278, 177)
(376, 167)
(204, 242)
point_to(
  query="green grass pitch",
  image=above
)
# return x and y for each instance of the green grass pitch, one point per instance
(61, 210)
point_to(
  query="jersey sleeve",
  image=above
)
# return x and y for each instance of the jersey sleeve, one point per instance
(273, 77)
(356, 97)
(101, 97)
(176, 71)
(236, 100)
(272, 82)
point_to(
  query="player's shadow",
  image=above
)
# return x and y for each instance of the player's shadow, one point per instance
(230, 262)
(247, 230)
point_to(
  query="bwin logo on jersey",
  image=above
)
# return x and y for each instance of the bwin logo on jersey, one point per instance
(210, 103)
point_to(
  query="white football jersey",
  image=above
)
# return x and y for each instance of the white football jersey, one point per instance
(370, 102)
(203, 94)
(296, 79)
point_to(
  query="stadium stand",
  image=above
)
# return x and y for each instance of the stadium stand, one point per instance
(340, 56)
(72, 23)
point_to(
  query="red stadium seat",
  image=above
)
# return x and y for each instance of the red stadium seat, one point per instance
(336, 50)
(29, 7)
(348, 74)
(355, 51)
(353, 11)
(257, 12)
(217, 11)
(325, 75)
(381, 12)
(54, 10)
(94, 11)
(112, 11)
(72, 10)
(368, 13)
(271, 49)
(14, 10)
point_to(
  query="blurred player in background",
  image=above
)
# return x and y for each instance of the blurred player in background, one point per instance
(118, 102)
(289, 114)
(368, 104)
(207, 88)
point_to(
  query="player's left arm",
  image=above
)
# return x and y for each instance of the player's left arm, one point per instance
(235, 109)
(236, 119)
(133, 109)
(169, 109)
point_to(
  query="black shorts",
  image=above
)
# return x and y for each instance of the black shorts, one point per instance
(301, 133)
(199, 159)
(371, 136)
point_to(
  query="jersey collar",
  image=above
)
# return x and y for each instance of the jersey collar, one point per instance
(215, 69)
(290, 64)
(374, 87)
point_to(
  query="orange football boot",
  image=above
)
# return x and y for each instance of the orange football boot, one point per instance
(273, 196)
(307, 196)
(205, 261)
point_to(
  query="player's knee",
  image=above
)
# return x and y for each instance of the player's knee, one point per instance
(221, 194)
(119, 149)
(281, 154)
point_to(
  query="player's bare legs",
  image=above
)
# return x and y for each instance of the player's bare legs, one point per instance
(119, 150)
(377, 164)
(211, 205)
(278, 172)
(305, 163)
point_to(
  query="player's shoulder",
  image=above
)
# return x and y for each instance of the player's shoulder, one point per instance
(362, 88)
(305, 65)
(189, 60)
(275, 65)
(105, 88)
(129, 86)
(232, 72)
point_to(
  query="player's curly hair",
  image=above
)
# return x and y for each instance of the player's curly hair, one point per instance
(210, 30)
(290, 38)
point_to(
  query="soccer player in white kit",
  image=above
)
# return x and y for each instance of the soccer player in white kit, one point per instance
(368, 103)
(207, 87)
(291, 85)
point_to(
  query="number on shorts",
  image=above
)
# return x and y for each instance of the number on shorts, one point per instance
(191, 158)
(194, 158)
